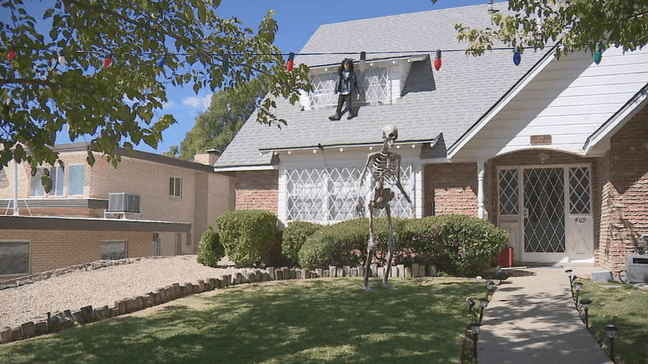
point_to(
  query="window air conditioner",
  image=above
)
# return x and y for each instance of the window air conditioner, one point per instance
(123, 202)
(637, 268)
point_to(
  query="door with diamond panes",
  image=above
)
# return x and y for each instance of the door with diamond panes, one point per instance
(553, 207)
(544, 210)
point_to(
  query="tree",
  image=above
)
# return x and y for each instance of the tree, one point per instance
(103, 68)
(579, 24)
(228, 112)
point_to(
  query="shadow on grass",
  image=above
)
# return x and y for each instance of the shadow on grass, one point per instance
(312, 321)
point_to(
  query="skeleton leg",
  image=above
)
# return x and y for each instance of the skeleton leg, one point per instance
(391, 244)
(370, 247)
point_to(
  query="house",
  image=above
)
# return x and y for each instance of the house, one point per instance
(172, 200)
(553, 150)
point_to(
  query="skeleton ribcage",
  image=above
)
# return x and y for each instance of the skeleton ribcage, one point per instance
(384, 170)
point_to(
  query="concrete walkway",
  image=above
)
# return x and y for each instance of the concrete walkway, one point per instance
(532, 320)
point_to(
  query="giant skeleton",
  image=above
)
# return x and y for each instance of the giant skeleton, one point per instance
(384, 169)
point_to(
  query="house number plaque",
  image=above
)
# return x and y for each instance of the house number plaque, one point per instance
(541, 139)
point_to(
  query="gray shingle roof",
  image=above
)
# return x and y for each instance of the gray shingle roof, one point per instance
(462, 91)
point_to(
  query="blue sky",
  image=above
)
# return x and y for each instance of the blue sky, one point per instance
(297, 19)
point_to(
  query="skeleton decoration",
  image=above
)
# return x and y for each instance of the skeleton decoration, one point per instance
(384, 169)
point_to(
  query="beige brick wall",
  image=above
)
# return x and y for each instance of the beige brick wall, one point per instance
(51, 249)
(204, 195)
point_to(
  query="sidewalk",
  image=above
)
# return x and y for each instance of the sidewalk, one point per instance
(532, 320)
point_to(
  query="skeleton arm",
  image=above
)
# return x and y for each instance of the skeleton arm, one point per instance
(398, 181)
(370, 158)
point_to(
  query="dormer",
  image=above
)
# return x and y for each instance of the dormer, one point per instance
(382, 81)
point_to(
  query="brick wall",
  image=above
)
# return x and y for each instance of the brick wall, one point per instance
(51, 249)
(257, 190)
(450, 189)
(625, 193)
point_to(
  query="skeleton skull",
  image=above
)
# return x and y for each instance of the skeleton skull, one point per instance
(390, 134)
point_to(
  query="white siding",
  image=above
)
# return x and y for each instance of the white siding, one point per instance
(568, 100)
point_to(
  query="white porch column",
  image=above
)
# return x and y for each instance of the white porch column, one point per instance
(480, 189)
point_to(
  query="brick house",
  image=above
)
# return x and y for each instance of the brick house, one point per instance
(165, 189)
(553, 150)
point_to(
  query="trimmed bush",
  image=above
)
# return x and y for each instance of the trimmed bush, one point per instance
(210, 250)
(294, 236)
(456, 244)
(345, 243)
(245, 234)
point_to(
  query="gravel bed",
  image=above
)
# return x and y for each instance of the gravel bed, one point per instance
(99, 287)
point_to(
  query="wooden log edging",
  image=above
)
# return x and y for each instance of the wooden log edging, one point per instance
(88, 314)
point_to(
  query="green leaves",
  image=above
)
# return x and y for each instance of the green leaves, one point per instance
(113, 106)
(580, 24)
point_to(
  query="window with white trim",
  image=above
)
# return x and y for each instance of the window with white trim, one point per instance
(14, 257)
(56, 174)
(114, 250)
(328, 195)
(374, 84)
(76, 180)
(175, 187)
(36, 184)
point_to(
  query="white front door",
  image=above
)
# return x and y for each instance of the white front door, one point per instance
(551, 206)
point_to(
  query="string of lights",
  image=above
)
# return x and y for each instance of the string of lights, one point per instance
(225, 57)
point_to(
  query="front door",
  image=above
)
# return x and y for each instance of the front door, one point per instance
(544, 214)
(551, 205)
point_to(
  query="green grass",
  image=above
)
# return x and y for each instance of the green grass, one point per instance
(306, 321)
(627, 308)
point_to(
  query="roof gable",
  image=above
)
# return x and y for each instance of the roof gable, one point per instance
(447, 101)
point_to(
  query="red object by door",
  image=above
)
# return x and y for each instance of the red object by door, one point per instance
(506, 258)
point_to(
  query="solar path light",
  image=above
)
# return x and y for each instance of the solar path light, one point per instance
(611, 331)
(585, 304)
(471, 304)
(482, 304)
(578, 286)
(490, 288)
(474, 329)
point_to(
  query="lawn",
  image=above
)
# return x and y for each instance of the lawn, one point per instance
(300, 321)
(627, 308)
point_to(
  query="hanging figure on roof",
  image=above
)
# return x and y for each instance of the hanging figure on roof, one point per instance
(346, 86)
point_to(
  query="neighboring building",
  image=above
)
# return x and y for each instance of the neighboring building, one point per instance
(554, 151)
(153, 188)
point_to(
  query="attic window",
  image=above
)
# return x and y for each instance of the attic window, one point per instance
(374, 82)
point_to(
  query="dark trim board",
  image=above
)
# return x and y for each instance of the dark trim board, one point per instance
(55, 202)
(89, 224)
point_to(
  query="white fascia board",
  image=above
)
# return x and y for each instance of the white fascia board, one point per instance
(490, 114)
(264, 167)
(618, 120)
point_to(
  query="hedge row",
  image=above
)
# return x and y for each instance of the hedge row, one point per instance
(455, 244)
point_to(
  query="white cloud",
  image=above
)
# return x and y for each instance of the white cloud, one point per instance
(201, 103)
(168, 105)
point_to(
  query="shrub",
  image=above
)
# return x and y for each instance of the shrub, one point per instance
(462, 245)
(245, 234)
(456, 244)
(210, 250)
(345, 243)
(295, 235)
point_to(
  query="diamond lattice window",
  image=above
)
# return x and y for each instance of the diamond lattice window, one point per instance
(328, 195)
(376, 85)
(323, 94)
(544, 227)
(508, 192)
(579, 190)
